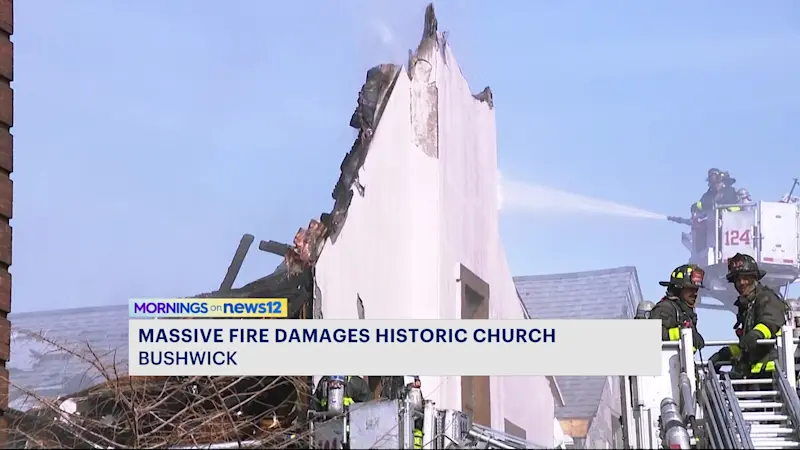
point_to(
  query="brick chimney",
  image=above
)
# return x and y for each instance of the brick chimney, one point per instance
(6, 198)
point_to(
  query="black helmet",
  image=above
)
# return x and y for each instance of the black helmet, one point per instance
(713, 173)
(741, 264)
(685, 276)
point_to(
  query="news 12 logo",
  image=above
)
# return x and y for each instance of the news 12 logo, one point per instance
(229, 308)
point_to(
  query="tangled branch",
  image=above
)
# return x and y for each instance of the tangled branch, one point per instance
(160, 412)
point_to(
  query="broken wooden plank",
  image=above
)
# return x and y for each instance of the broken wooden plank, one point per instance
(276, 248)
(236, 263)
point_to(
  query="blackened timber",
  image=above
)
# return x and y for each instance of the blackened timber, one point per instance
(276, 248)
(236, 262)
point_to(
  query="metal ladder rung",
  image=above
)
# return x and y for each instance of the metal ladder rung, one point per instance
(764, 417)
(755, 404)
(753, 381)
(770, 429)
(774, 443)
(755, 394)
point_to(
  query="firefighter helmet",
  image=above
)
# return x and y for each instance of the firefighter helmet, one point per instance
(741, 264)
(744, 195)
(713, 175)
(685, 276)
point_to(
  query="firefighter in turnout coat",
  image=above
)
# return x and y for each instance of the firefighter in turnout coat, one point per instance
(676, 309)
(761, 314)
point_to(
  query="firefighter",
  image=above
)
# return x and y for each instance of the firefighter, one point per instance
(356, 390)
(418, 434)
(676, 309)
(720, 192)
(761, 314)
(744, 196)
(391, 391)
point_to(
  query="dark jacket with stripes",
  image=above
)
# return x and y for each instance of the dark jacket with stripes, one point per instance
(762, 313)
(672, 312)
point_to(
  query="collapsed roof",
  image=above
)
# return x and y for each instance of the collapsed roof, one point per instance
(81, 399)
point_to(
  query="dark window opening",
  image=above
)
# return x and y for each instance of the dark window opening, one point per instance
(475, 391)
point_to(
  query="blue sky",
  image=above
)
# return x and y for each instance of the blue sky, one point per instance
(151, 138)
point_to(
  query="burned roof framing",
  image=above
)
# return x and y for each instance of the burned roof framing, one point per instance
(122, 411)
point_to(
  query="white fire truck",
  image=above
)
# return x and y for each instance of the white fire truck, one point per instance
(693, 404)
(767, 231)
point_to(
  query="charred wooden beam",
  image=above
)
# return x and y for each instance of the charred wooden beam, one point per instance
(236, 263)
(276, 248)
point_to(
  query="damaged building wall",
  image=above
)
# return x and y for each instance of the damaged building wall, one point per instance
(426, 213)
(386, 253)
(6, 197)
(470, 236)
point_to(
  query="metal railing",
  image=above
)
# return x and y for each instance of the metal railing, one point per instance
(719, 429)
(724, 423)
(789, 395)
(741, 429)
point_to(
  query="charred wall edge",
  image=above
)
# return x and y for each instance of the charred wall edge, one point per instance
(6, 199)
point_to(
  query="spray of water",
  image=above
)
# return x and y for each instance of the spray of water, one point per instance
(515, 196)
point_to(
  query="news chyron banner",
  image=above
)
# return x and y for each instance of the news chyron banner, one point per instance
(219, 343)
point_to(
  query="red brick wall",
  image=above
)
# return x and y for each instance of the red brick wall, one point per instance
(6, 196)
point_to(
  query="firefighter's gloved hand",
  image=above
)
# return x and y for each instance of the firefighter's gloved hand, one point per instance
(738, 371)
(723, 355)
(697, 340)
(749, 341)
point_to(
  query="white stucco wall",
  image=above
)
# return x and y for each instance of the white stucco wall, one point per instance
(605, 430)
(430, 204)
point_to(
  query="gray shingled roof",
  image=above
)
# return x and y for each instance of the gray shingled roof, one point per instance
(598, 294)
(50, 370)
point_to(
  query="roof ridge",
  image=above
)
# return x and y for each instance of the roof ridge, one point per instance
(631, 270)
(27, 314)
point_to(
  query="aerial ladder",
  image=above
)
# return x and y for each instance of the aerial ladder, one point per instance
(693, 404)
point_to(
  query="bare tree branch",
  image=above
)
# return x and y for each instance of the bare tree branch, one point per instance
(160, 412)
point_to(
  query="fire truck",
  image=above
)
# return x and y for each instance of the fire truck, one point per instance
(767, 231)
(694, 404)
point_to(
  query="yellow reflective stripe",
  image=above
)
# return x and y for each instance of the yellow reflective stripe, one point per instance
(757, 367)
(736, 351)
(734, 208)
(417, 438)
(699, 205)
(694, 349)
(764, 330)
(323, 402)
(674, 334)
